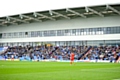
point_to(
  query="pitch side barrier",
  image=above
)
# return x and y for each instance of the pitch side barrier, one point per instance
(51, 60)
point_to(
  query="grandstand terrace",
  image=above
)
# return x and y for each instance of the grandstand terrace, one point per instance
(89, 31)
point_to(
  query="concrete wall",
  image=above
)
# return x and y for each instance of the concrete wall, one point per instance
(64, 38)
(65, 24)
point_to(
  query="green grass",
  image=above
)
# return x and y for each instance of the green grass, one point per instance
(10, 70)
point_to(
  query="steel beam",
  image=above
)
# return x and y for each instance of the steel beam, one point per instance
(18, 20)
(60, 14)
(94, 11)
(31, 18)
(76, 13)
(113, 9)
(45, 16)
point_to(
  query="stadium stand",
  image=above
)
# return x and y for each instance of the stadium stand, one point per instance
(85, 53)
(61, 52)
(92, 32)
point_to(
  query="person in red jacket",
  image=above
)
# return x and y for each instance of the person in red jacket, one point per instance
(72, 55)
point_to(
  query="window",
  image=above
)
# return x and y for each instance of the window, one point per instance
(77, 31)
(52, 33)
(15, 34)
(82, 31)
(26, 33)
(85, 31)
(20, 33)
(114, 30)
(0, 35)
(45, 33)
(32, 34)
(39, 33)
(90, 31)
(108, 28)
(117, 29)
(99, 31)
(4, 34)
(73, 32)
(58, 32)
(66, 31)
(9, 34)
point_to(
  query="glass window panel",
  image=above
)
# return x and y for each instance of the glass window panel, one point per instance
(9, 35)
(77, 43)
(10, 44)
(73, 30)
(4, 35)
(39, 33)
(112, 30)
(110, 42)
(26, 43)
(52, 33)
(62, 43)
(32, 34)
(91, 31)
(4, 44)
(118, 42)
(89, 43)
(0, 35)
(15, 44)
(72, 43)
(67, 32)
(34, 44)
(77, 31)
(15, 34)
(1, 44)
(85, 31)
(52, 43)
(45, 33)
(65, 43)
(20, 44)
(108, 28)
(99, 29)
(57, 43)
(68, 43)
(62, 32)
(117, 29)
(105, 30)
(73, 33)
(31, 43)
(20, 34)
(59, 33)
(98, 43)
(82, 31)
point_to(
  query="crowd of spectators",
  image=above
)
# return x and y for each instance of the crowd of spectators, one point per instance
(62, 52)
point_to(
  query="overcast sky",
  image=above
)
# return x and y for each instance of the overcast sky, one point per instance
(12, 7)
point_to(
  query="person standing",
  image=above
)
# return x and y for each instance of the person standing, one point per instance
(72, 58)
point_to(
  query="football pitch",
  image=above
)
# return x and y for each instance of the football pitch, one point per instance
(24, 70)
